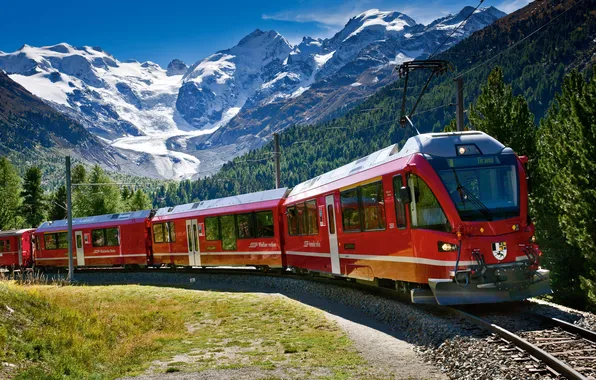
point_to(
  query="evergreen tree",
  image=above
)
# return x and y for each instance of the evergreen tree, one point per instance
(10, 195)
(57, 207)
(102, 199)
(503, 116)
(33, 208)
(567, 190)
(139, 201)
(81, 201)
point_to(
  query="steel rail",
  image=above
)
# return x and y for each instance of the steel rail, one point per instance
(570, 327)
(548, 359)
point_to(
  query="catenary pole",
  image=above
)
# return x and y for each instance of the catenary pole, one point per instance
(460, 103)
(277, 168)
(69, 215)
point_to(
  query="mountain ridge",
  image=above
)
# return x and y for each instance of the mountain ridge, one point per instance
(186, 121)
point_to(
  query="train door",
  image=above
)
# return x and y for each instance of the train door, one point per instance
(20, 248)
(79, 248)
(192, 236)
(332, 230)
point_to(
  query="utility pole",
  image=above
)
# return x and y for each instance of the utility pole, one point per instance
(276, 153)
(69, 215)
(460, 103)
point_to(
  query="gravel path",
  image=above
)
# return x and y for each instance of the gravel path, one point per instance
(385, 329)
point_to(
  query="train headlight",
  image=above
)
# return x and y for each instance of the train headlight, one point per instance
(447, 247)
(533, 239)
(515, 227)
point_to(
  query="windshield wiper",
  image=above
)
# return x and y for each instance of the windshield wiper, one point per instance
(465, 194)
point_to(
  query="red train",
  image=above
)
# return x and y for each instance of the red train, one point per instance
(444, 219)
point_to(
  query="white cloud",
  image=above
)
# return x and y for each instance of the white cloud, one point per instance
(509, 6)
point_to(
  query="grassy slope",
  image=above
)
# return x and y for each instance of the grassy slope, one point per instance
(49, 331)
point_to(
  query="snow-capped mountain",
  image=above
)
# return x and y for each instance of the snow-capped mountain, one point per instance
(187, 121)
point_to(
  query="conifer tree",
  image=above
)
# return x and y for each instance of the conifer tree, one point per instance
(57, 206)
(139, 201)
(567, 191)
(505, 117)
(10, 195)
(103, 199)
(33, 208)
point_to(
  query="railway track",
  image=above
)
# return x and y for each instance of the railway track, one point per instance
(561, 348)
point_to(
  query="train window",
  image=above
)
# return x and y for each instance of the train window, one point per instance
(212, 228)
(311, 217)
(112, 237)
(373, 205)
(245, 225)
(189, 238)
(79, 242)
(400, 207)
(331, 218)
(1, 245)
(106, 237)
(62, 240)
(195, 236)
(264, 224)
(98, 238)
(50, 241)
(350, 210)
(158, 235)
(425, 209)
(292, 221)
(301, 218)
(171, 235)
(228, 232)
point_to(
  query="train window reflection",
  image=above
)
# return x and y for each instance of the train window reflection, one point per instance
(212, 228)
(311, 218)
(245, 225)
(425, 210)
(158, 235)
(400, 209)
(350, 210)
(264, 224)
(371, 200)
(228, 232)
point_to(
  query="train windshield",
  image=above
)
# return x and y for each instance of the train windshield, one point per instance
(481, 187)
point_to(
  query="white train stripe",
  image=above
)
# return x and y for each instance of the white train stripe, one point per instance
(395, 259)
(309, 254)
(212, 253)
(93, 257)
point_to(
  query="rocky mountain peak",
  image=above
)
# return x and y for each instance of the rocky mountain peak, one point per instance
(176, 67)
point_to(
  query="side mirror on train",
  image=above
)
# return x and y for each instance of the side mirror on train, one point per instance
(405, 195)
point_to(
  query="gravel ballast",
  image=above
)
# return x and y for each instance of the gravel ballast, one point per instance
(442, 340)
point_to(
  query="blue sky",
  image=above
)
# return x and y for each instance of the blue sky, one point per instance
(191, 30)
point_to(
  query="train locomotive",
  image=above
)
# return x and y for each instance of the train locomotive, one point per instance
(442, 220)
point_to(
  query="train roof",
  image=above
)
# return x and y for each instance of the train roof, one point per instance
(124, 217)
(236, 200)
(15, 232)
(434, 144)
